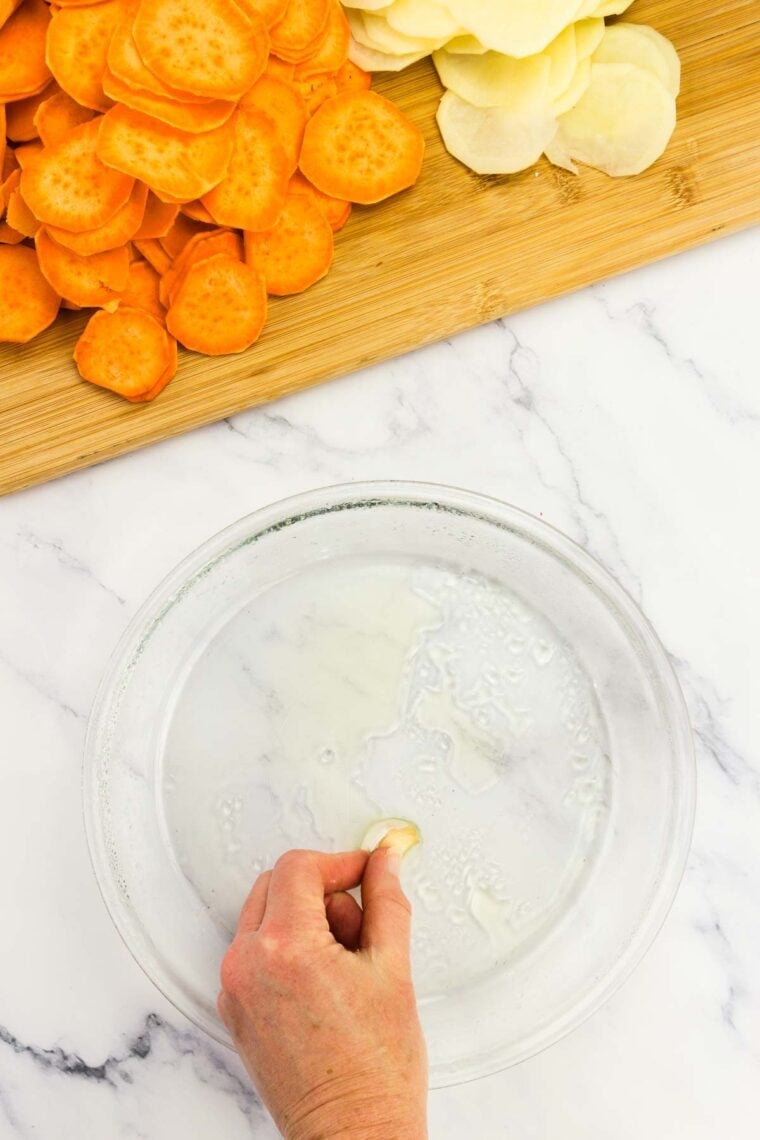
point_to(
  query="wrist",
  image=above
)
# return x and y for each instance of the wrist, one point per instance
(340, 1113)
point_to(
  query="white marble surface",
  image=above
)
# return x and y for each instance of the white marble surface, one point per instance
(627, 415)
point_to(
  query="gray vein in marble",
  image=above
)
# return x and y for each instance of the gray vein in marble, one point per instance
(702, 699)
(115, 1070)
(642, 316)
(524, 394)
(67, 560)
(37, 684)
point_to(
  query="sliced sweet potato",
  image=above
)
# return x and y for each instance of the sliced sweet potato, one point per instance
(67, 185)
(27, 151)
(9, 236)
(193, 117)
(28, 304)
(12, 177)
(252, 193)
(20, 122)
(297, 251)
(285, 107)
(335, 210)
(279, 68)
(23, 70)
(8, 7)
(141, 290)
(127, 351)
(176, 163)
(153, 252)
(270, 11)
(332, 52)
(209, 47)
(87, 281)
(77, 45)
(168, 374)
(118, 230)
(124, 61)
(197, 211)
(58, 114)
(316, 91)
(361, 147)
(19, 216)
(299, 33)
(351, 77)
(158, 218)
(220, 306)
(180, 233)
(198, 248)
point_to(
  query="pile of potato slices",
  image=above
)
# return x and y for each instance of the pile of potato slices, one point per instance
(174, 163)
(530, 77)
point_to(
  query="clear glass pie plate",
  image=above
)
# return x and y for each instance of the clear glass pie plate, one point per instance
(412, 651)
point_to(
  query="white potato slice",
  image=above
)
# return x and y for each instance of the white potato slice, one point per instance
(587, 8)
(466, 45)
(399, 834)
(371, 60)
(612, 7)
(563, 58)
(493, 140)
(426, 18)
(636, 43)
(575, 89)
(368, 5)
(495, 80)
(374, 31)
(621, 124)
(588, 35)
(515, 27)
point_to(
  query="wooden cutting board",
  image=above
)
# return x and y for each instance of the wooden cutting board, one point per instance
(457, 250)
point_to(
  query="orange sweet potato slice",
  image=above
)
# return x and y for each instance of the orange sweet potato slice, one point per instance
(315, 91)
(153, 252)
(158, 218)
(11, 179)
(28, 304)
(67, 185)
(27, 151)
(141, 290)
(279, 69)
(23, 70)
(220, 306)
(168, 374)
(332, 52)
(270, 11)
(20, 124)
(9, 236)
(197, 211)
(335, 210)
(361, 147)
(117, 231)
(124, 61)
(200, 247)
(297, 35)
(87, 281)
(351, 77)
(77, 44)
(7, 8)
(58, 114)
(297, 251)
(285, 107)
(180, 233)
(19, 216)
(126, 351)
(252, 193)
(174, 163)
(193, 117)
(209, 47)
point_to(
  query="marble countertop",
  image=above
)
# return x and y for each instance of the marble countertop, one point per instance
(628, 415)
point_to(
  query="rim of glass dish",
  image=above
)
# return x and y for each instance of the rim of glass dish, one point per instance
(289, 511)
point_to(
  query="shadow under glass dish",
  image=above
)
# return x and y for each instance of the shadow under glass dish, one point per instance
(413, 651)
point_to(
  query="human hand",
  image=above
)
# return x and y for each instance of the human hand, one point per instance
(318, 997)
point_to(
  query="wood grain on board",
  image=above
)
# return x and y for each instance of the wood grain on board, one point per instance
(457, 250)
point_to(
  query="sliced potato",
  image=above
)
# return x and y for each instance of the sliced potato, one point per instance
(612, 7)
(370, 60)
(426, 18)
(636, 43)
(574, 90)
(495, 80)
(563, 58)
(466, 45)
(375, 32)
(519, 27)
(368, 5)
(493, 140)
(620, 125)
(588, 35)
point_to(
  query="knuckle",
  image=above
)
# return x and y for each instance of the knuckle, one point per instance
(292, 860)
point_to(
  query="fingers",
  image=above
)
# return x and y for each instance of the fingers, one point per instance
(345, 918)
(387, 917)
(301, 880)
(254, 906)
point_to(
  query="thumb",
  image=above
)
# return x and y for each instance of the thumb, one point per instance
(387, 922)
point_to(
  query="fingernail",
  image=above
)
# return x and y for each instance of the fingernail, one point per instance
(393, 862)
